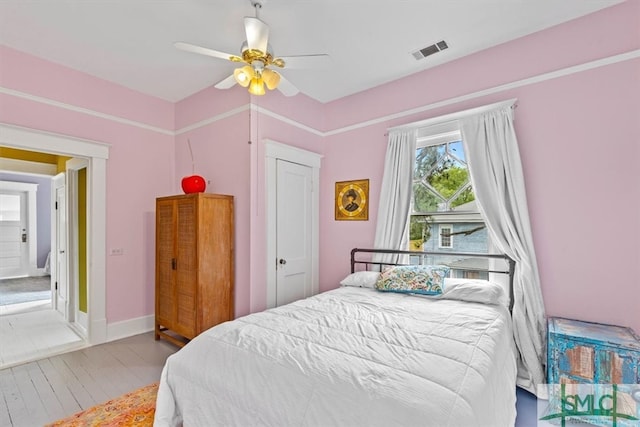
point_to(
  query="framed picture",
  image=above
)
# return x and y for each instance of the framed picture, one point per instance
(352, 200)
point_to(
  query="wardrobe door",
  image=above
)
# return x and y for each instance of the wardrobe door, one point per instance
(187, 266)
(165, 290)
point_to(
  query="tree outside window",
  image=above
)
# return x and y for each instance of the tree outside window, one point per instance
(443, 203)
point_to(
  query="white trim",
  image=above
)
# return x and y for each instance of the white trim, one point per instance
(448, 227)
(72, 167)
(277, 151)
(47, 142)
(18, 186)
(454, 117)
(213, 119)
(82, 110)
(97, 153)
(627, 56)
(286, 120)
(130, 327)
(27, 167)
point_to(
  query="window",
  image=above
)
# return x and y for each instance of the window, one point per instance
(9, 207)
(445, 236)
(444, 214)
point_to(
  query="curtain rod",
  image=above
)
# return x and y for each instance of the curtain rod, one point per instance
(454, 116)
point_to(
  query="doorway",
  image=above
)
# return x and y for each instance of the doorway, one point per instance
(17, 229)
(96, 155)
(292, 192)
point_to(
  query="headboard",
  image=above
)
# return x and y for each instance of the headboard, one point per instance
(364, 257)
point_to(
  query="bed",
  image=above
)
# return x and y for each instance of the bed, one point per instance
(353, 356)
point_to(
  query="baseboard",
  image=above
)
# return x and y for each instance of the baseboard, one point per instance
(128, 328)
(38, 272)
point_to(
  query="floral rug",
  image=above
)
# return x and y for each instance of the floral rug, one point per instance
(136, 408)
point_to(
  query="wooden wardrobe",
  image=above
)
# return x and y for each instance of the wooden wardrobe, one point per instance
(194, 264)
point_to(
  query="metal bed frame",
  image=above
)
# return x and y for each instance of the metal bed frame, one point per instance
(368, 263)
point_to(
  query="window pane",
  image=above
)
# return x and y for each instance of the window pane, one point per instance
(466, 196)
(456, 149)
(424, 200)
(9, 207)
(444, 215)
(426, 159)
(448, 177)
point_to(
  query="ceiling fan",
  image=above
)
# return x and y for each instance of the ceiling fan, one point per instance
(257, 55)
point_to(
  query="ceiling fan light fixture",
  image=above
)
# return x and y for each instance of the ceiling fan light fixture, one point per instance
(256, 87)
(271, 79)
(244, 75)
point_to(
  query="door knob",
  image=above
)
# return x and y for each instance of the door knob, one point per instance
(282, 261)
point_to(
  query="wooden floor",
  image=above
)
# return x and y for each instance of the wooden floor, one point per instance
(32, 331)
(46, 390)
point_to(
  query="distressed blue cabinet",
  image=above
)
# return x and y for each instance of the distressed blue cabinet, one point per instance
(591, 353)
(585, 352)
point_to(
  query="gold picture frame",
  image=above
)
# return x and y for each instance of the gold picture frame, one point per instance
(352, 200)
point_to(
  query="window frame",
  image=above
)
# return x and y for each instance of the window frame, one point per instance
(440, 134)
(442, 227)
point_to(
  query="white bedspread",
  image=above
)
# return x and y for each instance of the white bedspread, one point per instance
(348, 357)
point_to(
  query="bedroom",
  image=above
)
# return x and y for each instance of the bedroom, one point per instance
(590, 106)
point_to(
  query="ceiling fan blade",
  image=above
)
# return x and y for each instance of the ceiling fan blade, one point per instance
(286, 87)
(226, 83)
(257, 33)
(188, 47)
(321, 60)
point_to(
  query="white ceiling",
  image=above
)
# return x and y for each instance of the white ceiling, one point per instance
(130, 42)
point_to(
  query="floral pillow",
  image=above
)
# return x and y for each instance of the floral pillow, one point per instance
(413, 279)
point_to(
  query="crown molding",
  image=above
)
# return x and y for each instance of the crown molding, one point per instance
(626, 56)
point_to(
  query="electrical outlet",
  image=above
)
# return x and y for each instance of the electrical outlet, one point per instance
(116, 251)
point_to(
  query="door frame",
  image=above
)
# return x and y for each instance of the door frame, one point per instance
(278, 151)
(78, 318)
(32, 231)
(97, 154)
(59, 182)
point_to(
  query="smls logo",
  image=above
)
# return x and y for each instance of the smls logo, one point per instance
(602, 405)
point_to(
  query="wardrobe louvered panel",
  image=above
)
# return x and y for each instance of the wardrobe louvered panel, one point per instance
(164, 256)
(194, 275)
(186, 278)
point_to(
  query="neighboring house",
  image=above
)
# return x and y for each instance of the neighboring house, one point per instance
(461, 230)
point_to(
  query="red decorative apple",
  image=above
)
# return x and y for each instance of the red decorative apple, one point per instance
(193, 184)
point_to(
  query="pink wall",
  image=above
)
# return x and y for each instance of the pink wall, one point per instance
(140, 166)
(267, 128)
(578, 137)
(224, 155)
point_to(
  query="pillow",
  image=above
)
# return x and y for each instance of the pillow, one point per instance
(362, 279)
(413, 279)
(475, 290)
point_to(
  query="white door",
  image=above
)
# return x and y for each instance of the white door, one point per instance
(80, 318)
(14, 249)
(61, 284)
(294, 237)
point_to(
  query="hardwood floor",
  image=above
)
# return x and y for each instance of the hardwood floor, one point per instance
(46, 390)
(34, 333)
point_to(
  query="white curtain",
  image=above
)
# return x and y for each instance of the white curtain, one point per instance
(392, 228)
(496, 175)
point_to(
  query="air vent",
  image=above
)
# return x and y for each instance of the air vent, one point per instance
(430, 50)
